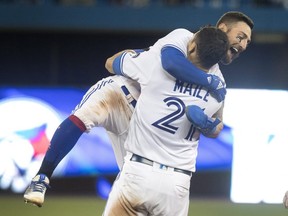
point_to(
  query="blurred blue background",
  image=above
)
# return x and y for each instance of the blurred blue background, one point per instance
(39, 110)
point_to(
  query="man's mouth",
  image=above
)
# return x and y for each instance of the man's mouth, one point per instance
(232, 54)
(234, 50)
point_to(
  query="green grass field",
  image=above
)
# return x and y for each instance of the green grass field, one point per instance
(92, 206)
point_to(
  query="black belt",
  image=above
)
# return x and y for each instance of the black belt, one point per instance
(146, 161)
(129, 96)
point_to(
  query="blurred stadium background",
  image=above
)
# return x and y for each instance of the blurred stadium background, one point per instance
(51, 51)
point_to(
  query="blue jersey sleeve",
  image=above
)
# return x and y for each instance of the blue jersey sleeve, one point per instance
(118, 64)
(177, 65)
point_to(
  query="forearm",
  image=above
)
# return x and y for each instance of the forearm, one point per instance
(219, 127)
(177, 65)
(217, 131)
(209, 127)
(110, 60)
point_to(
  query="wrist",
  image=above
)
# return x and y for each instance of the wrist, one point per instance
(211, 127)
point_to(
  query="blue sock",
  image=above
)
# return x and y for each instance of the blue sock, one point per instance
(63, 140)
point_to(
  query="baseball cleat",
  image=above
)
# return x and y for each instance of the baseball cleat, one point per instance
(35, 193)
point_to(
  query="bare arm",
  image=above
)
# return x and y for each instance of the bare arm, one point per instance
(209, 127)
(219, 127)
(110, 60)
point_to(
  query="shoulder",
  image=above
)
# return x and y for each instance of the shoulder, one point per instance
(181, 31)
(179, 38)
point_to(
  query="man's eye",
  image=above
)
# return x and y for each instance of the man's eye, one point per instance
(239, 38)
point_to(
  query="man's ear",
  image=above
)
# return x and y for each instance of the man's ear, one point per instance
(191, 48)
(223, 27)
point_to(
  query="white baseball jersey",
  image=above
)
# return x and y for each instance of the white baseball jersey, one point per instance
(160, 130)
(106, 104)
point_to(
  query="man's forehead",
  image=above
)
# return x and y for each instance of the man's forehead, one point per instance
(242, 27)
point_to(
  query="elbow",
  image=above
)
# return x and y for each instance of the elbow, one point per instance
(109, 65)
(168, 65)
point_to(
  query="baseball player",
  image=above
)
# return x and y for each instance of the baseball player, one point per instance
(162, 143)
(62, 141)
(109, 104)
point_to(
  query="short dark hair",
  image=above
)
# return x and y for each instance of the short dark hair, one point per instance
(233, 17)
(212, 45)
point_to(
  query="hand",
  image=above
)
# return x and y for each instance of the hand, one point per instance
(285, 200)
(217, 88)
(201, 121)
